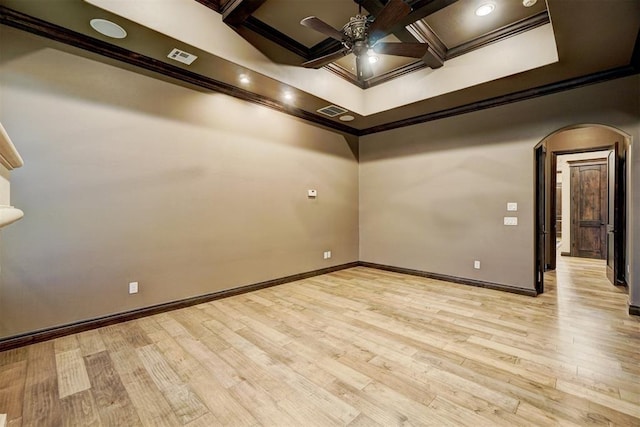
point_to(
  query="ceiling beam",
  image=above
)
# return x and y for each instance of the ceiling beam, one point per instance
(374, 7)
(437, 51)
(211, 4)
(236, 12)
(424, 8)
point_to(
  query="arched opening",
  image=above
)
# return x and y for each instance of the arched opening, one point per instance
(596, 156)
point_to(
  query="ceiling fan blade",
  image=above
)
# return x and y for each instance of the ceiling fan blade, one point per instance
(363, 68)
(389, 16)
(322, 27)
(412, 50)
(326, 59)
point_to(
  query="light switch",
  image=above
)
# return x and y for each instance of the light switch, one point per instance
(312, 193)
(510, 220)
(512, 206)
(133, 287)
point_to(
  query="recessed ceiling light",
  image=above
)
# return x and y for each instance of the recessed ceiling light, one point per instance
(108, 28)
(244, 79)
(373, 59)
(485, 9)
(529, 3)
(347, 118)
(288, 96)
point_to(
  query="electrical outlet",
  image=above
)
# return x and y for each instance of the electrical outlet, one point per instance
(312, 194)
(476, 265)
(512, 206)
(328, 254)
(510, 220)
(133, 287)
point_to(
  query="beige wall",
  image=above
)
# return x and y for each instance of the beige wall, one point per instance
(131, 178)
(128, 178)
(433, 196)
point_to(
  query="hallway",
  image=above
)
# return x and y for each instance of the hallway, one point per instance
(581, 283)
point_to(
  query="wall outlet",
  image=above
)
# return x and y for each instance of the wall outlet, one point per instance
(133, 287)
(476, 265)
(312, 194)
(512, 206)
(510, 220)
(327, 254)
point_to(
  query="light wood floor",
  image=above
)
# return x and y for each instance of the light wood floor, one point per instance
(355, 347)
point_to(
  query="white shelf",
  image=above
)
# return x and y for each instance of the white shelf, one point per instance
(9, 214)
(9, 157)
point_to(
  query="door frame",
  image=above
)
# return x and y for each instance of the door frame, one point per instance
(545, 212)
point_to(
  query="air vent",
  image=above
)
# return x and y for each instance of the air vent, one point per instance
(332, 111)
(182, 56)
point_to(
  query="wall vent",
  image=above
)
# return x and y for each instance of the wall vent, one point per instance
(182, 56)
(332, 111)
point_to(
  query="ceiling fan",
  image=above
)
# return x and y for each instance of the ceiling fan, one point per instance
(363, 33)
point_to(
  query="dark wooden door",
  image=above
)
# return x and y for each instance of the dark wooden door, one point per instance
(589, 184)
(611, 218)
(540, 209)
(558, 211)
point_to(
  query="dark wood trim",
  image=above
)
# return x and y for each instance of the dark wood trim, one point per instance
(81, 41)
(372, 6)
(374, 81)
(539, 183)
(565, 253)
(527, 24)
(406, 69)
(634, 310)
(211, 4)
(345, 74)
(422, 9)
(85, 325)
(325, 47)
(453, 279)
(270, 33)
(235, 12)
(437, 50)
(549, 89)
(34, 337)
(552, 228)
(587, 162)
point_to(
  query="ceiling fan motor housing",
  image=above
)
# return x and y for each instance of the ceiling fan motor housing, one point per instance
(356, 35)
(356, 28)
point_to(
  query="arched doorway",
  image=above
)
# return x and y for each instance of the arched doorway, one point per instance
(584, 138)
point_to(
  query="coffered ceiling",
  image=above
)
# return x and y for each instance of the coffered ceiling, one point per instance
(449, 28)
(253, 49)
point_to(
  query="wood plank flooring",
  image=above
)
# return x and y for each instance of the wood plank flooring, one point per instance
(358, 347)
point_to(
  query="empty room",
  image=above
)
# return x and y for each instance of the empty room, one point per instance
(319, 212)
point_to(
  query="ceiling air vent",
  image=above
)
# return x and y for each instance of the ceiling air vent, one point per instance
(332, 111)
(182, 56)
